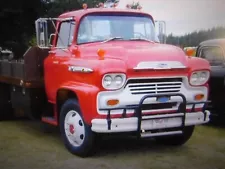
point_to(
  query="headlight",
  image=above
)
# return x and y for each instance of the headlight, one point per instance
(199, 78)
(113, 81)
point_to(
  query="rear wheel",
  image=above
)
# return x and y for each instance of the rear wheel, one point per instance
(177, 140)
(6, 110)
(76, 134)
(6, 114)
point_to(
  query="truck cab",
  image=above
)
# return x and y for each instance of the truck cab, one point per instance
(104, 71)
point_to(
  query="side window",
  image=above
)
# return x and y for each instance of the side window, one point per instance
(66, 33)
(213, 54)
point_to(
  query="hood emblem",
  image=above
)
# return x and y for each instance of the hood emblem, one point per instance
(162, 65)
(159, 65)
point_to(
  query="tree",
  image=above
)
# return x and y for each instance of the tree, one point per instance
(17, 23)
(134, 5)
(196, 37)
(58, 7)
(18, 18)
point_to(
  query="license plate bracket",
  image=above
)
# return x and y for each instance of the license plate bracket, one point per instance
(163, 99)
(160, 123)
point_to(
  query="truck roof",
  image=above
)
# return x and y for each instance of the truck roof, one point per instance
(82, 12)
(217, 42)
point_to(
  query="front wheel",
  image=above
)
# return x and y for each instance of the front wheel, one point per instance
(76, 134)
(177, 140)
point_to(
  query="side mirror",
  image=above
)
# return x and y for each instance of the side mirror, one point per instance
(160, 27)
(51, 38)
(44, 28)
(41, 26)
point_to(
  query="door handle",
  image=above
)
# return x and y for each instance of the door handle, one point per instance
(52, 52)
(56, 62)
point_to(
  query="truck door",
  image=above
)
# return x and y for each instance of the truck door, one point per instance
(55, 69)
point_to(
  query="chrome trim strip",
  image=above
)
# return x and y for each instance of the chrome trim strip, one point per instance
(79, 69)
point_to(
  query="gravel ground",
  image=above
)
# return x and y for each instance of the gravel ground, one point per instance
(23, 144)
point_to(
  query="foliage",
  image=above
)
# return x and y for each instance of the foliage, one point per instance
(17, 30)
(194, 38)
(32, 41)
(134, 5)
(54, 9)
(17, 23)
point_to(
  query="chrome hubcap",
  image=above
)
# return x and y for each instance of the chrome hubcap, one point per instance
(74, 128)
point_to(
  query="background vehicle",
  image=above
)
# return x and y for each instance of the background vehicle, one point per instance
(106, 72)
(214, 51)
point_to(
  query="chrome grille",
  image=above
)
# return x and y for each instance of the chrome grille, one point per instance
(154, 86)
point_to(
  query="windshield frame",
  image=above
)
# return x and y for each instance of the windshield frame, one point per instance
(122, 13)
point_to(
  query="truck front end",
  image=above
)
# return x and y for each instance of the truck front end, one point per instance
(147, 87)
(162, 103)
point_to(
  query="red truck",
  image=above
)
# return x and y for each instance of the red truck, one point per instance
(105, 71)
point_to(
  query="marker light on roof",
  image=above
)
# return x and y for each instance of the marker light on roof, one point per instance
(101, 5)
(85, 6)
(139, 7)
(115, 5)
(128, 6)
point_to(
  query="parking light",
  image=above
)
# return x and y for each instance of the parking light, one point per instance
(112, 102)
(199, 97)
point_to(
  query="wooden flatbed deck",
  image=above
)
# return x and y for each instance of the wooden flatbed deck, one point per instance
(27, 71)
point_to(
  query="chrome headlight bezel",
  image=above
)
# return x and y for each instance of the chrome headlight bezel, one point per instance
(115, 81)
(199, 78)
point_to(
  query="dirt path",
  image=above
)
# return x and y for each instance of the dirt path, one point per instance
(24, 145)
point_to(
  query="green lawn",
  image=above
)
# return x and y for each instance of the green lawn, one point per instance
(23, 144)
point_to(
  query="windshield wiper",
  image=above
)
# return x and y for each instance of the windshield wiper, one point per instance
(141, 39)
(111, 39)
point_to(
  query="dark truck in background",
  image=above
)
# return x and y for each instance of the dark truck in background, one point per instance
(214, 51)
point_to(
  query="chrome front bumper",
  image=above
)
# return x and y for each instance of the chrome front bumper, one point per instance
(146, 125)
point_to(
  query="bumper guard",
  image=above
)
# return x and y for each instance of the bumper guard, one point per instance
(181, 111)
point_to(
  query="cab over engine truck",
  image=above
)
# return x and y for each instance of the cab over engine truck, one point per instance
(105, 71)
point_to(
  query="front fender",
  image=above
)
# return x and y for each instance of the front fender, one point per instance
(86, 95)
(196, 63)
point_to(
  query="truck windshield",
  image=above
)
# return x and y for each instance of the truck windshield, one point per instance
(97, 28)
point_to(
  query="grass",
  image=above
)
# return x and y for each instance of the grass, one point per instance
(23, 144)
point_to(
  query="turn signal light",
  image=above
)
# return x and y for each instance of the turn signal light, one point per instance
(85, 6)
(199, 96)
(112, 102)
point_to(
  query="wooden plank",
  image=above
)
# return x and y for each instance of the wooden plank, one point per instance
(21, 82)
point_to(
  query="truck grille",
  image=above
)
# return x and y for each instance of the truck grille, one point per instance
(154, 86)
